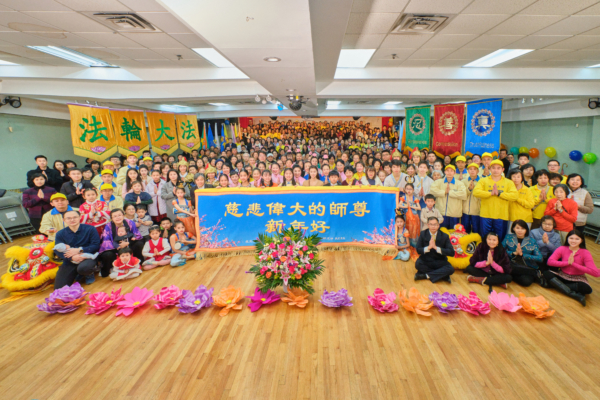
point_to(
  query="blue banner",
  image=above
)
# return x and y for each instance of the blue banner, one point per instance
(231, 219)
(483, 126)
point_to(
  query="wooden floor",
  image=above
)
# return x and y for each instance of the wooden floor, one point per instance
(283, 352)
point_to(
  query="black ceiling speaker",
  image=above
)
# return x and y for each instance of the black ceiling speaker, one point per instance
(273, 118)
(356, 118)
(593, 103)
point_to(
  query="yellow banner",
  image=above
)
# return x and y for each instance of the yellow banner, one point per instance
(163, 133)
(92, 132)
(189, 136)
(130, 131)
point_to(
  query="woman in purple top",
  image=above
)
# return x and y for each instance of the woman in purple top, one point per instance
(108, 250)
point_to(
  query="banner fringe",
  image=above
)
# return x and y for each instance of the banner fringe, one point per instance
(233, 253)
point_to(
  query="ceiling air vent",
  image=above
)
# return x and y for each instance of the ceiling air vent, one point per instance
(412, 23)
(123, 22)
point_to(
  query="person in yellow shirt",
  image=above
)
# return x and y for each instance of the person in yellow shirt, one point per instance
(542, 193)
(97, 180)
(449, 194)
(131, 163)
(495, 192)
(522, 207)
(107, 178)
(486, 162)
(109, 198)
(461, 170)
(472, 205)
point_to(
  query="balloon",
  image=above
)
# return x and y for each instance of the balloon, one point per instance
(534, 153)
(589, 158)
(575, 155)
(523, 150)
(226, 122)
(514, 150)
(550, 152)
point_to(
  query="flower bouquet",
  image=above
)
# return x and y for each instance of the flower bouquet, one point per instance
(289, 258)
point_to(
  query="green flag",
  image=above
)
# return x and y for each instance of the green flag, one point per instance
(418, 121)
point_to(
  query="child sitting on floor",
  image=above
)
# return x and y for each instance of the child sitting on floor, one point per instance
(402, 242)
(166, 228)
(126, 266)
(182, 244)
(156, 250)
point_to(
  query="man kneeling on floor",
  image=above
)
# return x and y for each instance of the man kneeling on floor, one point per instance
(434, 248)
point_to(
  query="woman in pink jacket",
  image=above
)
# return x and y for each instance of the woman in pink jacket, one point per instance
(573, 261)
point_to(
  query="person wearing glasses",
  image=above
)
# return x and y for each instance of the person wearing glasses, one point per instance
(434, 248)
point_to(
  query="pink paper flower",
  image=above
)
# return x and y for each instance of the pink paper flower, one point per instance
(503, 302)
(137, 298)
(383, 302)
(98, 149)
(134, 148)
(259, 299)
(100, 302)
(168, 296)
(473, 304)
(165, 146)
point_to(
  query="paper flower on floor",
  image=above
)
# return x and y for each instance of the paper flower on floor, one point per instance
(415, 302)
(296, 297)
(383, 302)
(64, 300)
(192, 302)
(168, 296)
(259, 299)
(503, 302)
(137, 298)
(228, 299)
(336, 299)
(473, 304)
(537, 306)
(444, 302)
(100, 302)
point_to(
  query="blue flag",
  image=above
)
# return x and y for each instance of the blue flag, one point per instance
(211, 139)
(483, 126)
(223, 136)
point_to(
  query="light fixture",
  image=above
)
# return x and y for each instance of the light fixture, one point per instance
(257, 99)
(272, 59)
(333, 102)
(15, 103)
(593, 103)
(532, 100)
(218, 104)
(264, 101)
(392, 103)
(73, 56)
(523, 102)
(291, 90)
(497, 57)
(214, 57)
(2, 62)
(354, 58)
(594, 66)
(268, 98)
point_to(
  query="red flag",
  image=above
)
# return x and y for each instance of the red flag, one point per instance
(448, 126)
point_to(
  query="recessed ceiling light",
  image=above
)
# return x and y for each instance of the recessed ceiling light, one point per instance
(334, 102)
(73, 56)
(218, 104)
(497, 57)
(354, 58)
(214, 57)
(393, 103)
(2, 62)
(272, 59)
(291, 90)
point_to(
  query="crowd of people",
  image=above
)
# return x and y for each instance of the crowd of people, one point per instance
(142, 209)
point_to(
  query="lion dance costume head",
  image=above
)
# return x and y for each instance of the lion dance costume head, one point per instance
(31, 268)
(464, 245)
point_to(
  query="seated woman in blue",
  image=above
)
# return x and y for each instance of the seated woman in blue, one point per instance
(524, 254)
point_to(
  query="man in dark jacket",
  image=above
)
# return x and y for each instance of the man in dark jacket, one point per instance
(434, 247)
(53, 178)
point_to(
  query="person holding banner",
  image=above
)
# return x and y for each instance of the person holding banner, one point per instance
(131, 163)
(495, 192)
(449, 193)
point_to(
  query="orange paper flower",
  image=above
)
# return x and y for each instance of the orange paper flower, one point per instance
(228, 299)
(296, 297)
(415, 302)
(538, 306)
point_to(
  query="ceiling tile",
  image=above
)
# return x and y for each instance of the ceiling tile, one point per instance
(524, 25)
(370, 23)
(166, 22)
(69, 21)
(2, 8)
(492, 42)
(467, 23)
(56, 61)
(98, 6)
(535, 42)
(254, 58)
(576, 42)
(380, 63)
(557, 7)
(593, 10)
(109, 39)
(128, 63)
(143, 5)
(172, 54)
(386, 54)
(379, 6)
(448, 41)
(516, 63)
(418, 63)
(451, 63)
(138, 54)
(567, 64)
(199, 63)
(154, 40)
(102, 53)
(593, 54)
(573, 25)
(362, 41)
(22, 60)
(497, 7)
(190, 40)
(436, 6)
(470, 54)
(69, 40)
(20, 51)
(543, 55)
(430, 54)
(401, 41)
(22, 22)
(24, 39)
(34, 5)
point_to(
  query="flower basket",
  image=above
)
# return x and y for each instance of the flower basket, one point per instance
(287, 258)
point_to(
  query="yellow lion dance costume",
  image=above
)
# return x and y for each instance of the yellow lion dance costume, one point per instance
(464, 245)
(31, 268)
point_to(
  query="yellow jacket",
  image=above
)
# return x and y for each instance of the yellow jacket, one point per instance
(472, 205)
(451, 204)
(114, 202)
(521, 209)
(495, 207)
(53, 219)
(539, 205)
